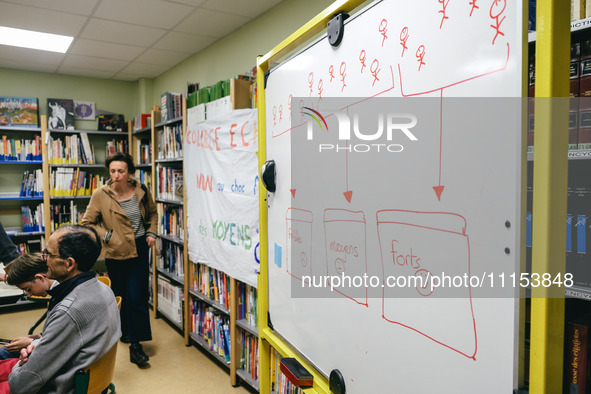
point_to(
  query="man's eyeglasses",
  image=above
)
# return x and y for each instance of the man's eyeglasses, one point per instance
(45, 255)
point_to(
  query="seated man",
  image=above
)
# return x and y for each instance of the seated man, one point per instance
(28, 272)
(82, 320)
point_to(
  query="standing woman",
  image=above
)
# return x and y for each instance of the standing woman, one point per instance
(124, 215)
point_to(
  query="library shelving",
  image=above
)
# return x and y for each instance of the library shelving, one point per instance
(76, 169)
(578, 218)
(171, 257)
(22, 188)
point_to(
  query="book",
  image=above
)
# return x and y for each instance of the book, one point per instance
(19, 111)
(87, 150)
(577, 354)
(60, 114)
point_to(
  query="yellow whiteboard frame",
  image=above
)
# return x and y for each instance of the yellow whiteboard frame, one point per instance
(267, 336)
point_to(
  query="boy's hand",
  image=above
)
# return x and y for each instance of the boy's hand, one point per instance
(19, 343)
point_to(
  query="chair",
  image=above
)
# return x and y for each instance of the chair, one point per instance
(105, 279)
(96, 378)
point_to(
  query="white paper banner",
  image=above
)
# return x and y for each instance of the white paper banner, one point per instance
(221, 177)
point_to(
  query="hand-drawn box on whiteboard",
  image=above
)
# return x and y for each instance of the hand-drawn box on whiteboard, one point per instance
(426, 246)
(345, 237)
(299, 242)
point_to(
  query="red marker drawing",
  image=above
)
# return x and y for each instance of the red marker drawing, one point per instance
(362, 59)
(320, 89)
(280, 113)
(383, 29)
(289, 105)
(274, 115)
(342, 69)
(474, 6)
(420, 55)
(442, 11)
(311, 82)
(496, 9)
(331, 72)
(403, 39)
(375, 69)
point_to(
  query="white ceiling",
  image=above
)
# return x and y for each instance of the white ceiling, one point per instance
(122, 39)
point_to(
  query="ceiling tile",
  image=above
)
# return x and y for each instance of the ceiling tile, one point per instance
(121, 33)
(29, 66)
(105, 49)
(25, 55)
(128, 76)
(250, 8)
(80, 7)
(183, 42)
(84, 72)
(40, 20)
(211, 23)
(155, 13)
(93, 63)
(145, 70)
(160, 57)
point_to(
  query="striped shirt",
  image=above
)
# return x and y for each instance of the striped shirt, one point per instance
(132, 210)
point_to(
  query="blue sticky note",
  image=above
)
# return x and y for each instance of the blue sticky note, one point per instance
(581, 234)
(278, 251)
(528, 232)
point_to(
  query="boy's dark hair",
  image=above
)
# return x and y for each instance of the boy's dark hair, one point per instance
(24, 268)
(124, 157)
(82, 243)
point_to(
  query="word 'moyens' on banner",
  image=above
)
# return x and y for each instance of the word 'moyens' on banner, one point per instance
(221, 177)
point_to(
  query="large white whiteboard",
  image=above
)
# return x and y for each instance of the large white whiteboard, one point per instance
(448, 195)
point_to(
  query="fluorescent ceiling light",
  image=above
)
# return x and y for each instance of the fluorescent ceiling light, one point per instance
(34, 40)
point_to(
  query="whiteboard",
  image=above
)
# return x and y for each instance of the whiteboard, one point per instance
(452, 198)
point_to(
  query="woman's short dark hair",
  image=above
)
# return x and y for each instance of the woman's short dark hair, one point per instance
(124, 157)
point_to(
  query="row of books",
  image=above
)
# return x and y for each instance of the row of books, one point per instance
(144, 177)
(580, 9)
(170, 300)
(65, 182)
(143, 151)
(247, 303)
(210, 282)
(31, 245)
(32, 183)
(170, 142)
(171, 106)
(249, 354)
(142, 121)
(170, 257)
(115, 146)
(212, 327)
(20, 149)
(170, 220)
(19, 111)
(170, 183)
(65, 213)
(279, 382)
(74, 149)
(33, 221)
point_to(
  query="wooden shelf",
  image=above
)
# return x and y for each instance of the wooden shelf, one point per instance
(170, 238)
(245, 376)
(175, 278)
(243, 323)
(221, 308)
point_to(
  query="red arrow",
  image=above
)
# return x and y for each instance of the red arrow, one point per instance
(292, 192)
(439, 188)
(349, 193)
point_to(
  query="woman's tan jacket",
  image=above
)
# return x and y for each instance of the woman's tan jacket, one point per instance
(104, 213)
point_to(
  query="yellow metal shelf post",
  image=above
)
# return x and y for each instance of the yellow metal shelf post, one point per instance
(550, 186)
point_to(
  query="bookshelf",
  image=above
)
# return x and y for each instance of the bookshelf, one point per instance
(577, 297)
(22, 210)
(170, 264)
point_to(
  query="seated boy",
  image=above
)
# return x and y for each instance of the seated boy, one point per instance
(29, 273)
